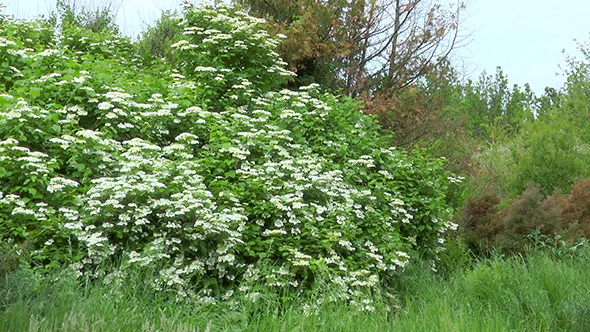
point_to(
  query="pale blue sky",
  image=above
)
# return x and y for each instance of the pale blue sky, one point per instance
(525, 37)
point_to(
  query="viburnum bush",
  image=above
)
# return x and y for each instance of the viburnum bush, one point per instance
(205, 171)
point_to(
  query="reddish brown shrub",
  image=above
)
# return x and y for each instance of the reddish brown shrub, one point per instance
(481, 221)
(576, 212)
(531, 210)
(564, 215)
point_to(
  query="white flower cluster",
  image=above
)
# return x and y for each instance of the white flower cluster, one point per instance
(151, 188)
(59, 183)
(210, 31)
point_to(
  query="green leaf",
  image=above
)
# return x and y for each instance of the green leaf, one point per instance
(34, 92)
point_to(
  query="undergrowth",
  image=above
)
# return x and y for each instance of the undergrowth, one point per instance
(539, 292)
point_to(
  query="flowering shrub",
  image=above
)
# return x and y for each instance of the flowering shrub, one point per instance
(206, 170)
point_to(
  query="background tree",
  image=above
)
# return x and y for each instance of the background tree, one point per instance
(154, 41)
(365, 45)
(493, 109)
(93, 15)
(316, 39)
(402, 42)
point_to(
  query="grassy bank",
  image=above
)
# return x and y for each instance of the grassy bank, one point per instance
(537, 293)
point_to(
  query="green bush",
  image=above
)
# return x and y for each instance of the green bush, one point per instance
(550, 153)
(204, 172)
(455, 256)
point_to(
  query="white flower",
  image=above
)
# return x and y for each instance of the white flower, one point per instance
(58, 183)
(13, 114)
(205, 69)
(180, 43)
(105, 106)
(20, 210)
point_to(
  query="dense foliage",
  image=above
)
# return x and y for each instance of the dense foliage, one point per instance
(532, 175)
(199, 166)
(178, 167)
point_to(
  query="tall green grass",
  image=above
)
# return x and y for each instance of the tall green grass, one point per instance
(536, 293)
